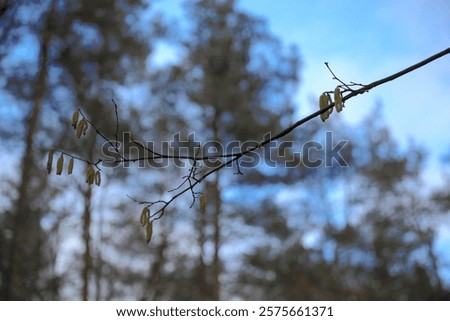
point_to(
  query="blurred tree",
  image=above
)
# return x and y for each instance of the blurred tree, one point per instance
(238, 81)
(377, 245)
(233, 83)
(441, 195)
(84, 54)
(100, 50)
(25, 250)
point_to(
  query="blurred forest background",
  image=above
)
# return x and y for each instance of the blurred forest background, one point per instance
(362, 232)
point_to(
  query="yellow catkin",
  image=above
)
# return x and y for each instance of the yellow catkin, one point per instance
(86, 125)
(338, 100)
(90, 174)
(323, 103)
(80, 128)
(145, 214)
(98, 178)
(60, 164)
(75, 117)
(70, 167)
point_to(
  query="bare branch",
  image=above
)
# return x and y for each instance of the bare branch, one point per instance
(193, 179)
(353, 93)
(362, 90)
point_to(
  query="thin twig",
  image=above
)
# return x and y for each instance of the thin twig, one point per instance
(100, 133)
(337, 78)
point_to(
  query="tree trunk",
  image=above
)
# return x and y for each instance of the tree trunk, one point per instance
(99, 263)
(87, 240)
(216, 224)
(201, 272)
(156, 272)
(21, 275)
(216, 221)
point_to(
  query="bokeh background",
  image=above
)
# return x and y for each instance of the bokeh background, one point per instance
(377, 229)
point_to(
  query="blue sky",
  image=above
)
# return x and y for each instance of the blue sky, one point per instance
(368, 41)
